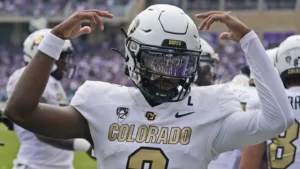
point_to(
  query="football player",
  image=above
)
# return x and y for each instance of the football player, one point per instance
(208, 65)
(206, 76)
(38, 152)
(245, 90)
(230, 159)
(255, 156)
(5, 121)
(162, 122)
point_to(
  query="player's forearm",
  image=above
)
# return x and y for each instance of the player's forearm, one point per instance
(70, 144)
(277, 114)
(252, 156)
(28, 91)
(62, 144)
(272, 116)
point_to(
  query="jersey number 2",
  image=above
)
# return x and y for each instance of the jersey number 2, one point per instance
(282, 151)
(155, 158)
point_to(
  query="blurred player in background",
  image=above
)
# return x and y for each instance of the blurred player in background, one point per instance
(256, 156)
(206, 76)
(37, 152)
(163, 122)
(230, 159)
(207, 69)
(5, 121)
(244, 89)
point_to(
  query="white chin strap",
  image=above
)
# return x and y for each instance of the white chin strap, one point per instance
(54, 67)
(27, 59)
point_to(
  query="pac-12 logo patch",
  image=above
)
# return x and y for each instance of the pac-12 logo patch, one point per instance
(122, 113)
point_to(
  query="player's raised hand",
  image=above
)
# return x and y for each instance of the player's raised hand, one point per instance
(237, 29)
(72, 28)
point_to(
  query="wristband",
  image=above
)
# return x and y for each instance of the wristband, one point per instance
(51, 45)
(81, 145)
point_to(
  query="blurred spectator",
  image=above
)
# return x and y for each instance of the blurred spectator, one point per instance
(202, 5)
(40, 8)
(280, 4)
(55, 7)
(241, 4)
(98, 62)
(273, 39)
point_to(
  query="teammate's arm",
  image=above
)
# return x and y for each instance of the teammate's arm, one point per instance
(252, 156)
(23, 106)
(62, 144)
(275, 115)
(69, 144)
(78, 145)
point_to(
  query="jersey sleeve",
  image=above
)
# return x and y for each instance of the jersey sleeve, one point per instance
(82, 102)
(80, 98)
(13, 81)
(259, 124)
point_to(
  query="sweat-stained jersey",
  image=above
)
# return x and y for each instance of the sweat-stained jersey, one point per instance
(128, 133)
(32, 151)
(283, 151)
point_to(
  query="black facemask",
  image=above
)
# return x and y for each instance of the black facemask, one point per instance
(65, 66)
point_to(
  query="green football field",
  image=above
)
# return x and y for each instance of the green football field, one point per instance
(9, 152)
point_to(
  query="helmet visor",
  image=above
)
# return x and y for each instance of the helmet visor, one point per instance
(169, 62)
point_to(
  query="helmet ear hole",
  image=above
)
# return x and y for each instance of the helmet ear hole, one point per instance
(145, 74)
(126, 71)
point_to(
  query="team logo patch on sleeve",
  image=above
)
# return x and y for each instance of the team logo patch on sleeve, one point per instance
(122, 113)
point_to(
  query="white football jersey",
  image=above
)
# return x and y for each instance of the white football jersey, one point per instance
(128, 133)
(231, 159)
(283, 151)
(33, 152)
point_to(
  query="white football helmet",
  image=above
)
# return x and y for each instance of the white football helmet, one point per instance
(208, 49)
(31, 43)
(288, 56)
(162, 43)
(240, 80)
(272, 55)
(208, 65)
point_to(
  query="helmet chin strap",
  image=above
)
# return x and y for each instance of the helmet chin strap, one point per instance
(122, 54)
(162, 96)
(54, 67)
(57, 75)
